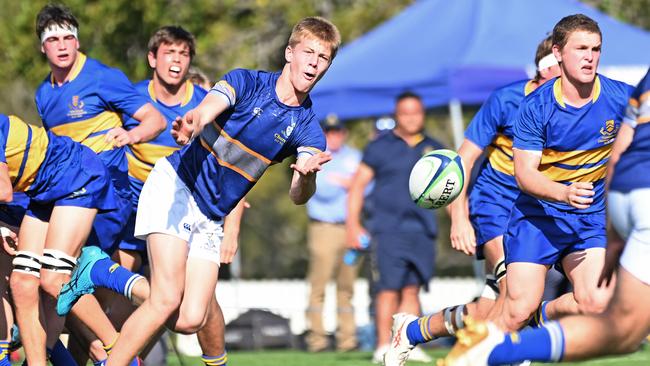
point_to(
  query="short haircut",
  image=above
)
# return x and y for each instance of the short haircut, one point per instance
(544, 48)
(171, 34)
(319, 28)
(52, 14)
(197, 76)
(407, 95)
(573, 23)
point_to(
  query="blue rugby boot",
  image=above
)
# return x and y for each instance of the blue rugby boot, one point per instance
(80, 283)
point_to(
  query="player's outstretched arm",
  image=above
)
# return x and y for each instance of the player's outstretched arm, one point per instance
(303, 182)
(360, 181)
(462, 233)
(192, 123)
(533, 182)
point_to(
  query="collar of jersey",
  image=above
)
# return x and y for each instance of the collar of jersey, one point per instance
(189, 91)
(81, 61)
(557, 91)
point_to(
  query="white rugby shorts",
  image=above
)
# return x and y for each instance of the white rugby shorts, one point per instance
(630, 215)
(166, 206)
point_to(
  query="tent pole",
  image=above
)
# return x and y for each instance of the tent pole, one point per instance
(456, 115)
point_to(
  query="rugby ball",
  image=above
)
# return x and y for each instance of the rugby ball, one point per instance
(436, 179)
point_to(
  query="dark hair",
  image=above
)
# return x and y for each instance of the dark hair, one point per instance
(54, 14)
(407, 95)
(544, 48)
(573, 23)
(171, 34)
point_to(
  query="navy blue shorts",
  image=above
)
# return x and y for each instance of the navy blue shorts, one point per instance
(544, 235)
(402, 259)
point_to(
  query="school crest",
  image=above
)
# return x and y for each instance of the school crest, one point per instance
(76, 107)
(608, 133)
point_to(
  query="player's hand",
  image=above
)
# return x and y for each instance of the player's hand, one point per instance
(119, 137)
(462, 235)
(183, 128)
(313, 164)
(9, 240)
(229, 246)
(579, 194)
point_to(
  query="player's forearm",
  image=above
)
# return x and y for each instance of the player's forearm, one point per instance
(232, 221)
(6, 188)
(152, 124)
(538, 185)
(460, 206)
(302, 188)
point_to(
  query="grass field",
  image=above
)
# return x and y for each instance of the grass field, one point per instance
(297, 358)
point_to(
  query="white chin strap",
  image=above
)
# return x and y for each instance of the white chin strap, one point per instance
(57, 30)
(547, 61)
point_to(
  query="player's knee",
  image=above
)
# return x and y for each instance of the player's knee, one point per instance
(166, 301)
(24, 287)
(190, 322)
(51, 284)
(519, 313)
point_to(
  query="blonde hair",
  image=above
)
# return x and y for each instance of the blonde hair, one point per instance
(320, 28)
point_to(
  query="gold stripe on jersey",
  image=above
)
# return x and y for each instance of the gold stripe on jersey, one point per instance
(577, 157)
(233, 154)
(138, 169)
(143, 157)
(17, 147)
(499, 154)
(558, 174)
(79, 131)
(557, 91)
(529, 87)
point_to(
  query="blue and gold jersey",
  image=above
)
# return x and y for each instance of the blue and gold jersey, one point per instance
(142, 157)
(87, 106)
(233, 152)
(575, 142)
(630, 171)
(23, 150)
(45, 166)
(491, 129)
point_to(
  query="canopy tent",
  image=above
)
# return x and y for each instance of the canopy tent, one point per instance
(459, 52)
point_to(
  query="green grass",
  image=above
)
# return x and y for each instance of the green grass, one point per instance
(297, 358)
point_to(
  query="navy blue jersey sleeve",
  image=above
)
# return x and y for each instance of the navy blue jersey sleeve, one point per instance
(638, 108)
(485, 124)
(235, 86)
(529, 128)
(310, 139)
(119, 93)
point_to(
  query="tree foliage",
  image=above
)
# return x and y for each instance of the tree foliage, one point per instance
(230, 34)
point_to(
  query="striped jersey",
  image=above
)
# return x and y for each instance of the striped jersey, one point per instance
(231, 154)
(575, 142)
(142, 157)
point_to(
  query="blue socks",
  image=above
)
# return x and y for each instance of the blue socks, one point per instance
(215, 360)
(418, 331)
(540, 318)
(545, 344)
(106, 273)
(60, 356)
